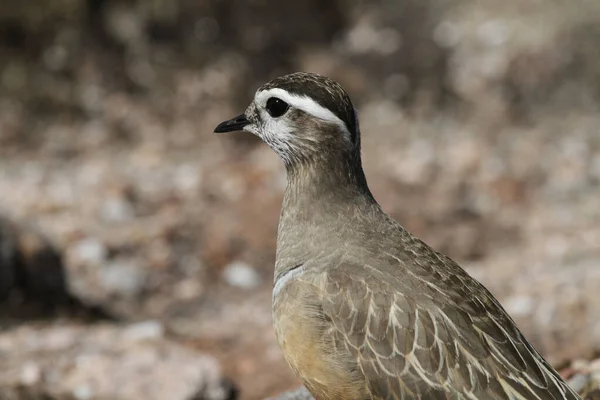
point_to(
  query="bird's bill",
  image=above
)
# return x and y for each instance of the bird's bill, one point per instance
(234, 124)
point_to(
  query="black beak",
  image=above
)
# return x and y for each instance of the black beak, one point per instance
(234, 124)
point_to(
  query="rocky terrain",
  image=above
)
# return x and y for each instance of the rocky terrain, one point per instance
(136, 247)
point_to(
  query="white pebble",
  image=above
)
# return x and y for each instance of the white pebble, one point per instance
(83, 392)
(117, 209)
(90, 250)
(145, 330)
(30, 374)
(122, 278)
(241, 275)
(519, 306)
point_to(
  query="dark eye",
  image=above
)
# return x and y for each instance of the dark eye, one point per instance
(276, 107)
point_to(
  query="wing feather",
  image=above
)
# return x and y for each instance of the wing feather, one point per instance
(448, 345)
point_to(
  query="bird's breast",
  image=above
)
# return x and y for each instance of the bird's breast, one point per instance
(302, 336)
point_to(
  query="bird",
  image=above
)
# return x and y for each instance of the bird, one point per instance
(363, 309)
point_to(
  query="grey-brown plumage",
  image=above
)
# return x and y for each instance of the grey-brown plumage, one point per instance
(362, 308)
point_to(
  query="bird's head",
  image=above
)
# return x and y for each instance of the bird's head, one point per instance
(303, 117)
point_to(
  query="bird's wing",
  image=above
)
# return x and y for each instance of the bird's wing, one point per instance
(449, 345)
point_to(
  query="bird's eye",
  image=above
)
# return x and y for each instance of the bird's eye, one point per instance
(276, 107)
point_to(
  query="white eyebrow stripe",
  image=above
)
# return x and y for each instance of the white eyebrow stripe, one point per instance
(303, 103)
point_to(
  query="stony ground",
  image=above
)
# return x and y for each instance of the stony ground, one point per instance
(481, 134)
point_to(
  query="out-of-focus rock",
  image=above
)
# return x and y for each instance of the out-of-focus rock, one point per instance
(584, 377)
(88, 251)
(30, 265)
(33, 280)
(8, 259)
(242, 275)
(105, 362)
(121, 278)
(117, 209)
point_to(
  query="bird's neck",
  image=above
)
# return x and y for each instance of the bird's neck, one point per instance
(335, 178)
(322, 201)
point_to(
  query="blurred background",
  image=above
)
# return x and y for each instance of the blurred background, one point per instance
(137, 248)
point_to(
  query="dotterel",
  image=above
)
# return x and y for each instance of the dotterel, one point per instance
(362, 308)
